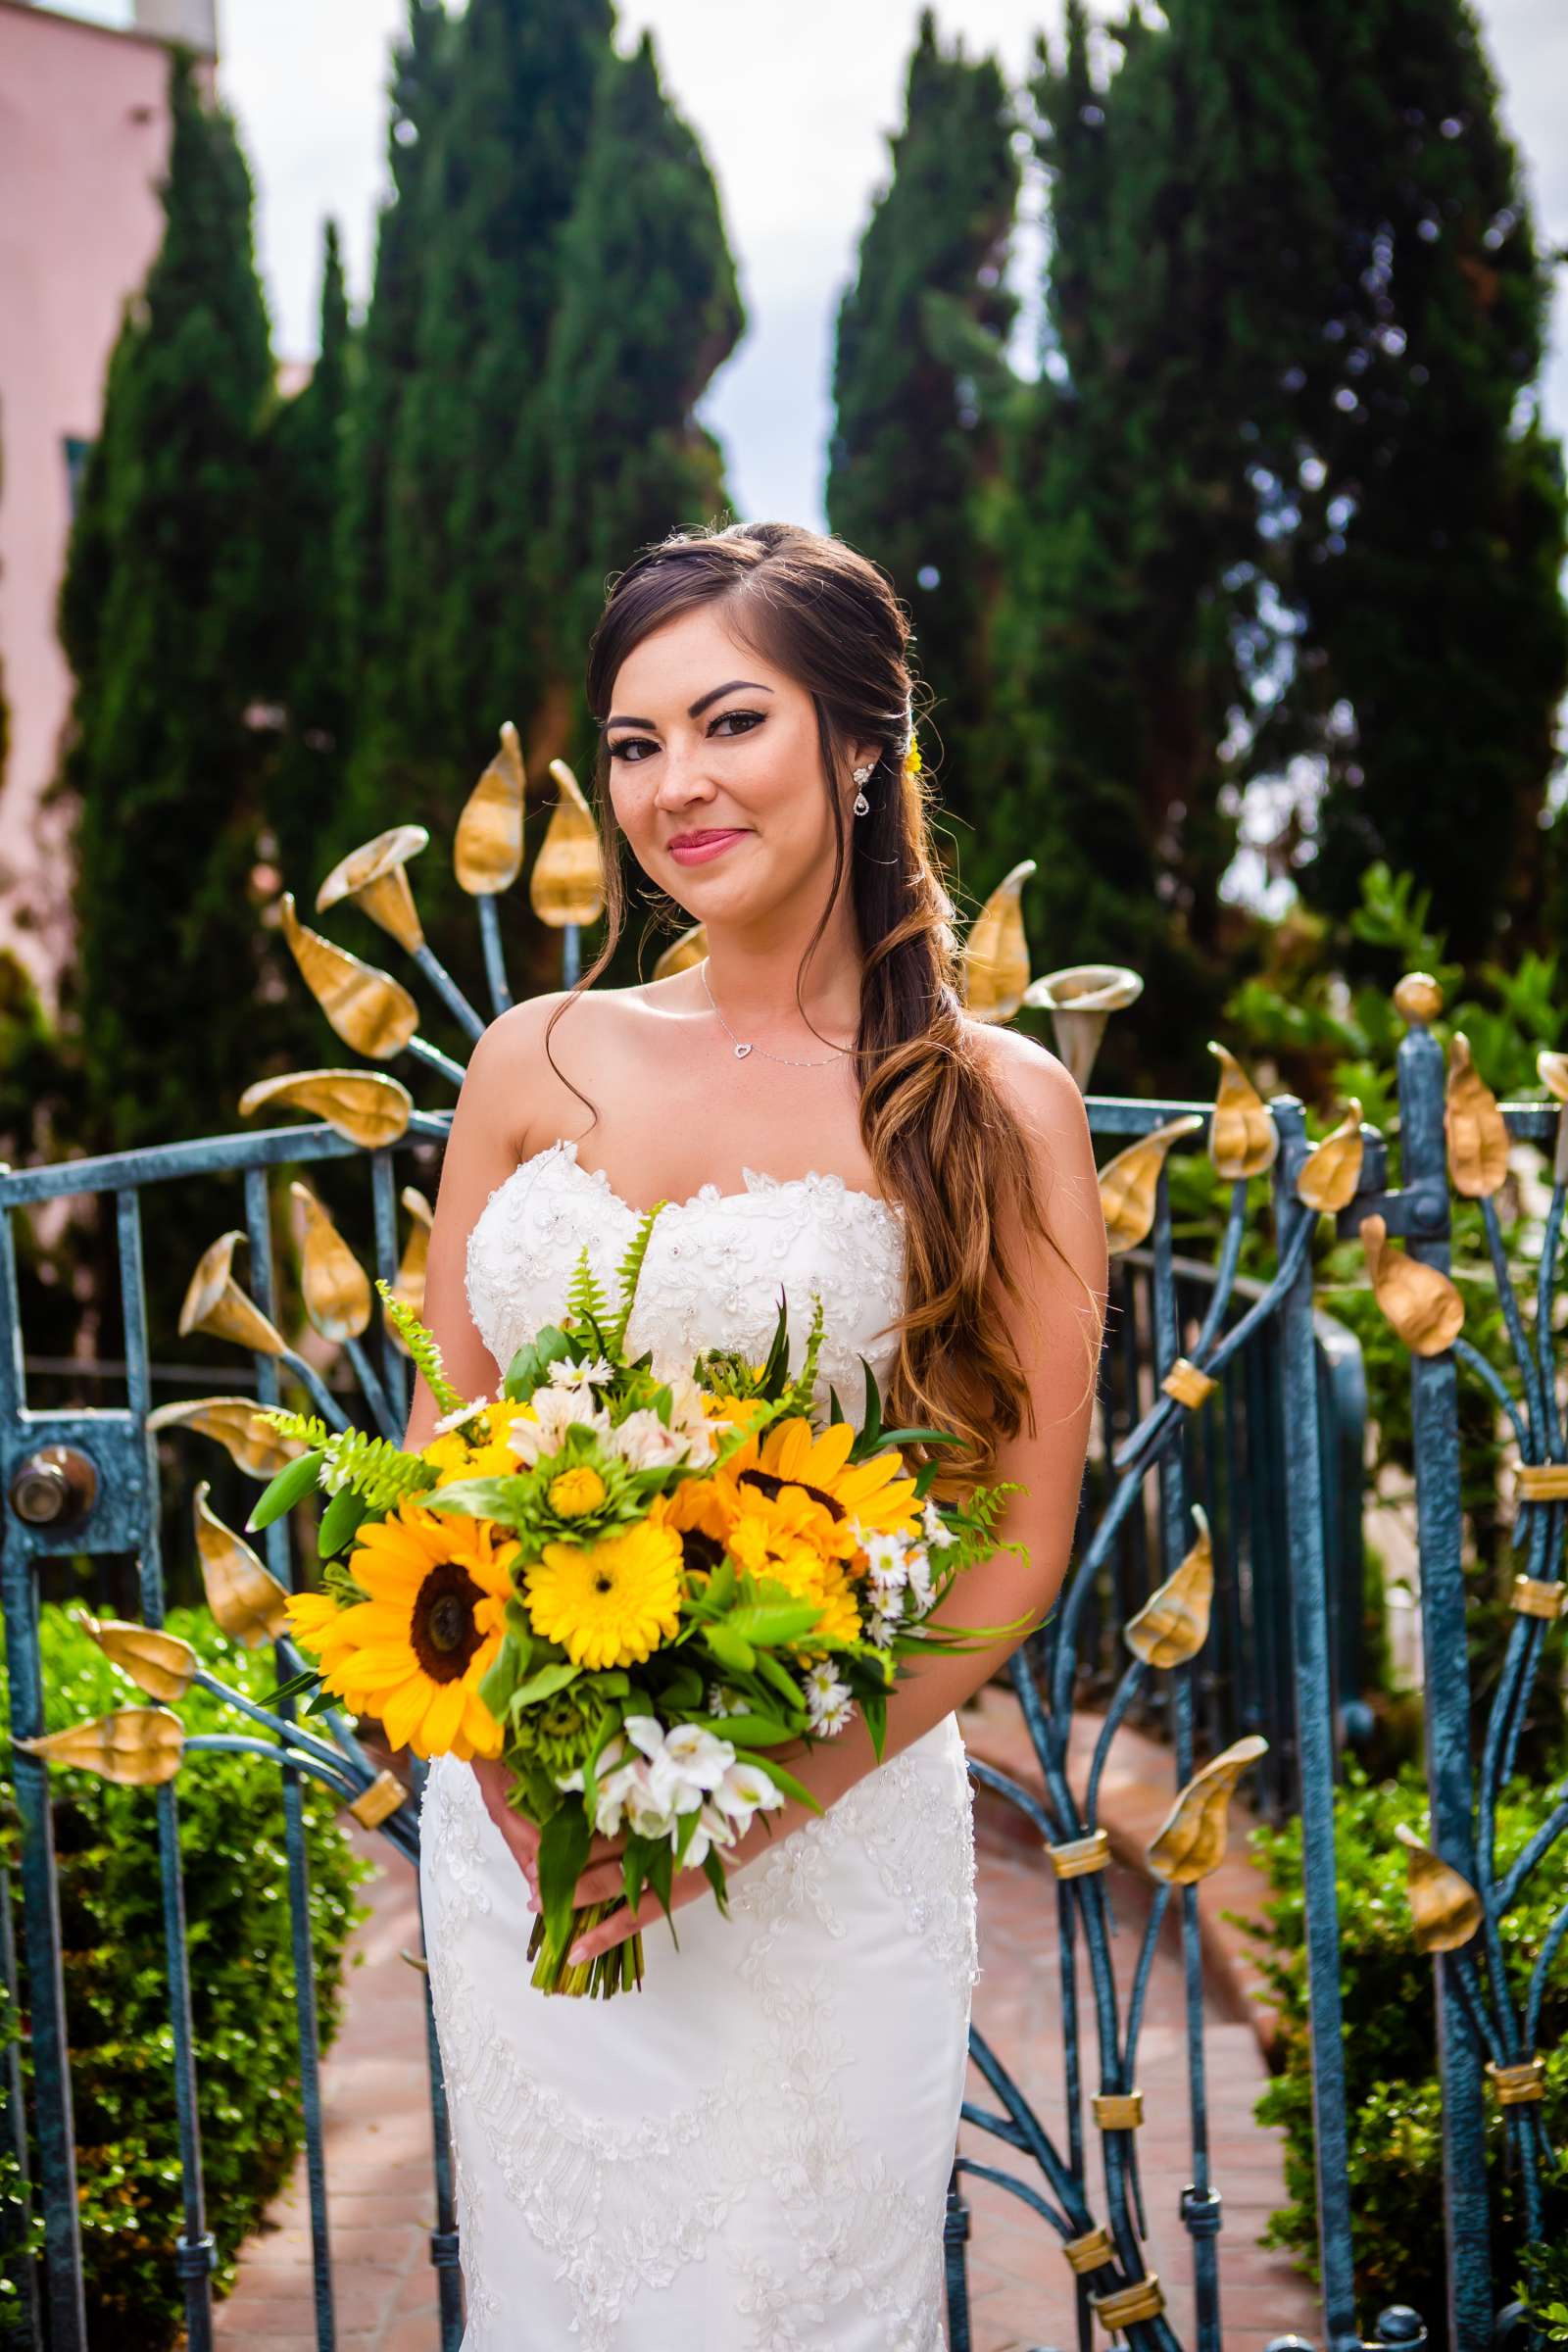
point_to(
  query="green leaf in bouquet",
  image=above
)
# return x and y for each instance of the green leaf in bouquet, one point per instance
(907, 1436)
(783, 1682)
(749, 1730)
(661, 1875)
(477, 1497)
(784, 1780)
(664, 1403)
(291, 1485)
(506, 1671)
(719, 1591)
(728, 1650)
(529, 1368)
(684, 1687)
(602, 1738)
(869, 1440)
(713, 1873)
(544, 1683)
(689, 1823)
(771, 1625)
(341, 1521)
(874, 1708)
(295, 1687)
(835, 1410)
(775, 1371)
(634, 1869)
(563, 1852)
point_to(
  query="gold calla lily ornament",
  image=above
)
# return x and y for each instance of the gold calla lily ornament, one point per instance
(137, 1746)
(1129, 1183)
(245, 1597)
(1446, 1908)
(1418, 1299)
(213, 1302)
(1476, 1130)
(567, 884)
(996, 953)
(372, 1012)
(368, 1106)
(684, 954)
(1243, 1139)
(1191, 1842)
(1080, 998)
(251, 1444)
(1332, 1170)
(487, 846)
(335, 1285)
(1172, 1624)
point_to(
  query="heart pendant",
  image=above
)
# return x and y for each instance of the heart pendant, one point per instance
(740, 1053)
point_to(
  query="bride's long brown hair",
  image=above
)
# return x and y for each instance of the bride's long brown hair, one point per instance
(940, 1135)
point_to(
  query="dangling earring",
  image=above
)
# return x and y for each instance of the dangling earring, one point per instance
(862, 806)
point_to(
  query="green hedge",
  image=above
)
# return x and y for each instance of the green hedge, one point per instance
(1391, 2046)
(241, 1973)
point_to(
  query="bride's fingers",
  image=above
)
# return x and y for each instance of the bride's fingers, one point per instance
(623, 1923)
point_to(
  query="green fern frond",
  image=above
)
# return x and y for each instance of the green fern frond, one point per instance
(308, 1428)
(423, 1347)
(585, 1295)
(628, 1274)
(796, 1397)
(375, 1469)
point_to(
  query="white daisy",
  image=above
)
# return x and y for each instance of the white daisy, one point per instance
(937, 1530)
(464, 1413)
(565, 1374)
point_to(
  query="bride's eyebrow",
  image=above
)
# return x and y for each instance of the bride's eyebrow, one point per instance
(619, 719)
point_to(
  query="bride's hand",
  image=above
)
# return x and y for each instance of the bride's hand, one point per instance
(522, 1836)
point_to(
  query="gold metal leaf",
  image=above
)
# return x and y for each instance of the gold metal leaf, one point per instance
(368, 1106)
(1418, 1299)
(137, 1746)
(1080, 998)
(408, 1285)
(487, 847)
(1417, 998)
(159, 1663)
(1476, 1129)
(1553, 1073)
(335, 1285)
(1332, 1169)
(1243, 1139)
(567, 884)
(215, 1303)
(1128, 1183)
(244, 1596)
(1172, 1624)
(995, 953)
(683, 953)
(253, 1444)
(1191, 1842)
(373, 878)
(1444, 1906)
(370, 1011)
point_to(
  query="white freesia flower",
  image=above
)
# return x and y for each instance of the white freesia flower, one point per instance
(937, 1530)
(559, 1409)
(644, 1442)
(687, 1415)
(683, 1764)
(744, 1791)
(918, 1563)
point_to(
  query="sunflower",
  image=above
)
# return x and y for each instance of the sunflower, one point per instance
(609, 1604)
(417, 1650)
(874, 1493)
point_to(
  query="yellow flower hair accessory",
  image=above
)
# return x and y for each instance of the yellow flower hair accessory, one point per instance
(912, 761)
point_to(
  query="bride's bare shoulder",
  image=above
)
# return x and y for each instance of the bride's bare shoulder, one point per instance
(591, 1019)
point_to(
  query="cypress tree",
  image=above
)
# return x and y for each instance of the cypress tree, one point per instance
(911, 449)
(1435, 646)
(161, 616)
(308, 654)
(649, 309)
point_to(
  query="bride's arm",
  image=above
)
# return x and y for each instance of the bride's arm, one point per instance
(1060, 1351)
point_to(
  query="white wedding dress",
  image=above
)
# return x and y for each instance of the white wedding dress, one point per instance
(752, 2153)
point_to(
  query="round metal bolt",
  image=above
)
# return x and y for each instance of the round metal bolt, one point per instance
(53, 1487)
(1399, 2324)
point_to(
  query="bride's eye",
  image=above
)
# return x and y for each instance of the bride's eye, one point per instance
(626, 743)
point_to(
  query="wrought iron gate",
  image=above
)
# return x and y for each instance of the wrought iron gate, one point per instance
(1239, 1468)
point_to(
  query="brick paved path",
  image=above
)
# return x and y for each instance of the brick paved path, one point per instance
(381, 2205)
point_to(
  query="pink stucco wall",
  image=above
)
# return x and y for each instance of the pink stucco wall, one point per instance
(83, 137)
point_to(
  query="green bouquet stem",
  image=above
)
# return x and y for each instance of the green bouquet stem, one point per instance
(619, 1970)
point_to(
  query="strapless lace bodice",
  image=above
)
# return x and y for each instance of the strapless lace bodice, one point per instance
(714, 1268)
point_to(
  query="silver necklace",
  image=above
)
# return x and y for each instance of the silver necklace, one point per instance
(742, 1048)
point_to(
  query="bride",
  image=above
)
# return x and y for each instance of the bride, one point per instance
(752, 2153)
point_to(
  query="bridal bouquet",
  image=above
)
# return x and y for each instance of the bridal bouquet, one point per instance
(634, 1582)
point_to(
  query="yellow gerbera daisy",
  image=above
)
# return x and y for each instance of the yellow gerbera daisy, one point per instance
(416, 1651)
(456, 1455)
(610, 1603)
(873, 1492)
(782, 1537)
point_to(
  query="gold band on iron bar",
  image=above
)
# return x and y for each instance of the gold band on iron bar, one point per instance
(1541, 1482)
(1533, 1596)
(379, 1801)
(1187, 1384)
(1118, 2110)
(1518, 2086)
(1143, 2300)
(1080, 1855)
(1091, 2252)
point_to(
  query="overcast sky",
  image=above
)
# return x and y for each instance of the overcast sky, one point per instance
(795, 117)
